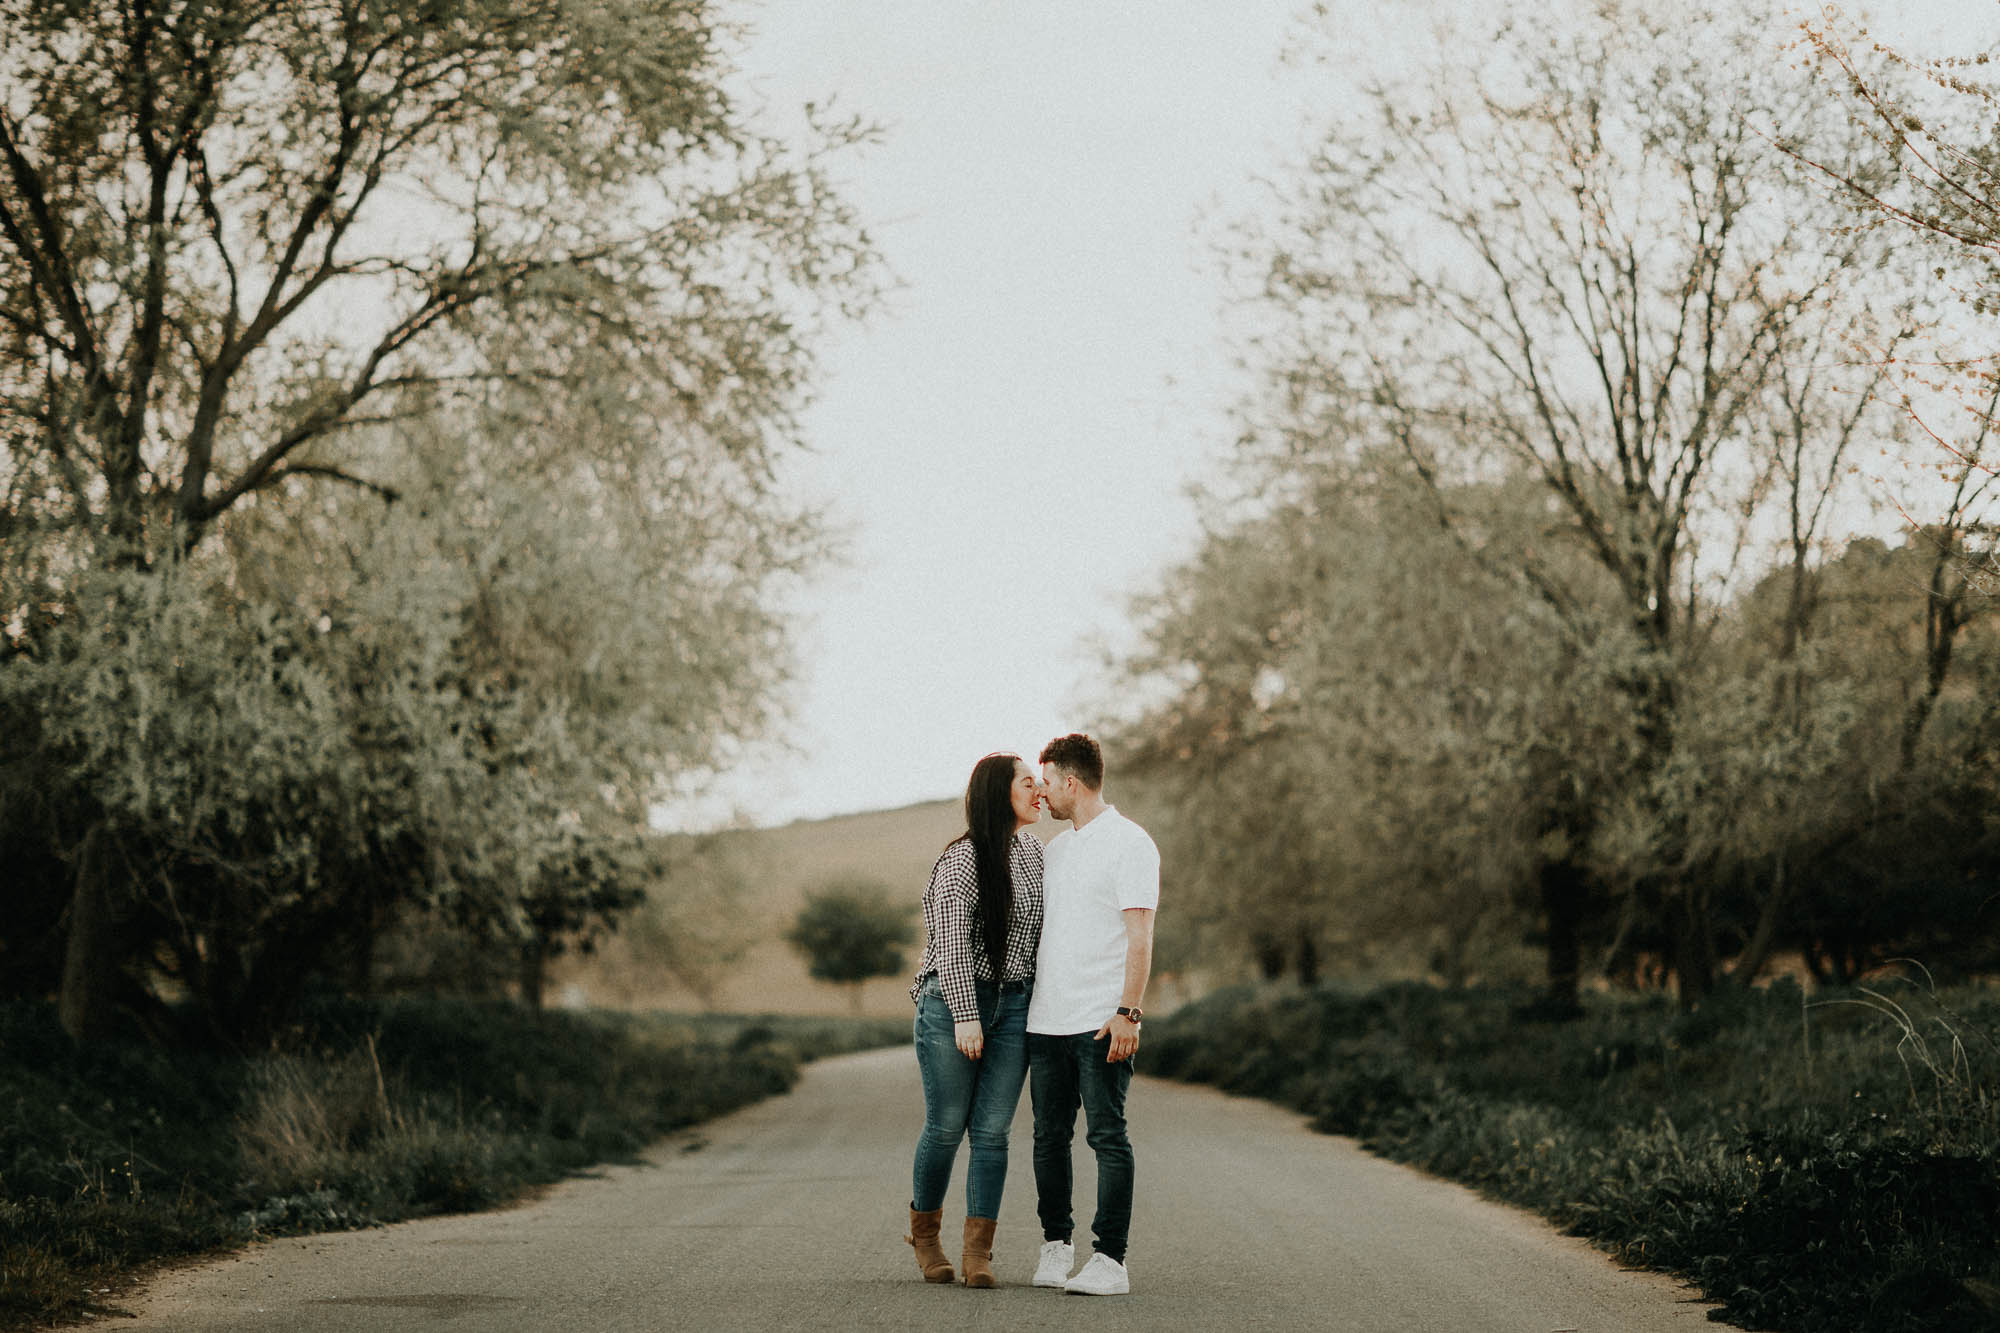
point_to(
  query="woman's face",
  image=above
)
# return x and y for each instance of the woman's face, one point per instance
(1026, 795)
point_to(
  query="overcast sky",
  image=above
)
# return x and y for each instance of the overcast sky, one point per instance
(1009, 443)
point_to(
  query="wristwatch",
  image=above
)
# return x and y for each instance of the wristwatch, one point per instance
(1134, 1013)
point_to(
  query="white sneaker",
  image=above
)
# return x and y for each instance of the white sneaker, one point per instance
(1102, 1276)
(1058, 1257)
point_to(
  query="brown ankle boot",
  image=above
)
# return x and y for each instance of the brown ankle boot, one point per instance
(979, 1252)
(924, 1236)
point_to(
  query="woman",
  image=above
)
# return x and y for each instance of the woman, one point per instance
(983, 919)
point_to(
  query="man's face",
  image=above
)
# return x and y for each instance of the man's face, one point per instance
(1058, 792)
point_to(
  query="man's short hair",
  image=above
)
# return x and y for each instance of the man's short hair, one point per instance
(1079, 756)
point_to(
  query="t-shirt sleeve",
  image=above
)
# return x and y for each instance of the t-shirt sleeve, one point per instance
(1138, 880)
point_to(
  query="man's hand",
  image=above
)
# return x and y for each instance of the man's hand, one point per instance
(971, 1038)
(1124, 1035)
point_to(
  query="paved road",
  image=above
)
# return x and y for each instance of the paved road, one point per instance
(789, 1215)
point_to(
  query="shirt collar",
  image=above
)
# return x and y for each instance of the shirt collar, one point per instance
(1110, 812)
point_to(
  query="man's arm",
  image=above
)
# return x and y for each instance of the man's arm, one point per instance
(1138, 970)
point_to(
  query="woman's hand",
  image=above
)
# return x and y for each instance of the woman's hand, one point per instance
(971, 1038)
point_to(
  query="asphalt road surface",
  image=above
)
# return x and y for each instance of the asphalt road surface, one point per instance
(790, 1215)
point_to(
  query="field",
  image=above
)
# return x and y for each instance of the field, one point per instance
(778, 868)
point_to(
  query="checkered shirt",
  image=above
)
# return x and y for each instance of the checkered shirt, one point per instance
(954, 950)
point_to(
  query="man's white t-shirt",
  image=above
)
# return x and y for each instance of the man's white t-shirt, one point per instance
(1090, 877)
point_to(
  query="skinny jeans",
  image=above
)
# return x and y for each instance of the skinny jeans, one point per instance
(1072, 1072)
(969, 1097)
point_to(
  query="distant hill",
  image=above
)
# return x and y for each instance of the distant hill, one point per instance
(779, 867)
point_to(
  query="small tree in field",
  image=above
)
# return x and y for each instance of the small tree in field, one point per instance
(849, 931)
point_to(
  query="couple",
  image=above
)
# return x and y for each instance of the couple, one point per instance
(1036, 962)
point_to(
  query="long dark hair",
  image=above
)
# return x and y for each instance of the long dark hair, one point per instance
(989, 827)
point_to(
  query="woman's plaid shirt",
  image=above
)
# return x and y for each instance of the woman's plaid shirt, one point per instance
(953, 948)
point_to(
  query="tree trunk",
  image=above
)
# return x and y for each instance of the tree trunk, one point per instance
(1941, 625)
(1765, 937)
(533, 971)
(361, 974)
(85, 1002)
(1308, 958)
(1564, 891)
(1270, 957)
(1691, 936)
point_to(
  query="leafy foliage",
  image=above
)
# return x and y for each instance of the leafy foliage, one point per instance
(1372, 734)
(231, 235)
(1539, 608)
(390, 511)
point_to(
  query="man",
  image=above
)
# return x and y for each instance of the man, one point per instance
(1100, 888)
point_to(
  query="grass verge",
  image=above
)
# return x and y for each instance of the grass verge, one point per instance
(1811, 1164)
(116, 1156)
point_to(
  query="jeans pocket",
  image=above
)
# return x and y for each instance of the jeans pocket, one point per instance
(934, 1021)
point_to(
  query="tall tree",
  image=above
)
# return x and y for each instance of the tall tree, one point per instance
(1583, 263)
(264, 269)
(1926, 177)
(1360, 728)
(229, 233)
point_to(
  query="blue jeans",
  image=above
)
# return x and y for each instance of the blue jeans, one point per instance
(1068, 1072)
(975, 1096)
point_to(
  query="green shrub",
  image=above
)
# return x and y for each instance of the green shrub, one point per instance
(850, 930)
(115, 1155)
(1831, 1163)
